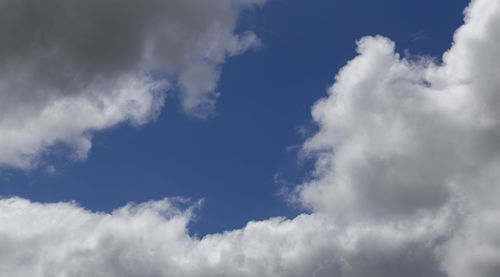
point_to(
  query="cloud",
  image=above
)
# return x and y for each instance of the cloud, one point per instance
(400, 139)
(405, 184)
(151, 239)
(400, 136)
(70, 68)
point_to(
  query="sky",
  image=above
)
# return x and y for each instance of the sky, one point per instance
(249, 138)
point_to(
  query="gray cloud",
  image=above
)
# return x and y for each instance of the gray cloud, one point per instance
(67, 68)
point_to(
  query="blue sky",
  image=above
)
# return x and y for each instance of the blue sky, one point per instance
(230, 159)
(266, 138)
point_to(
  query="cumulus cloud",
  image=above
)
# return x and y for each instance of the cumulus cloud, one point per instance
(405, 184)
(401, 136)
(404, 138)
(151, 239)
(68, 68)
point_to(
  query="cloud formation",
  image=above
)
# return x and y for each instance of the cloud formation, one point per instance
(151, 239)
(400, 140)
(406, 184)
(400, 136)
(70, 68)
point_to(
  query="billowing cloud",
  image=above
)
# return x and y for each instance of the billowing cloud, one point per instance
(151, 239)
(68, 68)
(400, 139)
(406, 184)
(400, 136)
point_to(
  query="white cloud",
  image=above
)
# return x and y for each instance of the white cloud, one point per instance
(406, 184)
(400, 136)
(151, 239)
(400, 139)
(70, 68)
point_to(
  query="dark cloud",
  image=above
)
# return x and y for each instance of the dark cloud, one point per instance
(91, 51)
